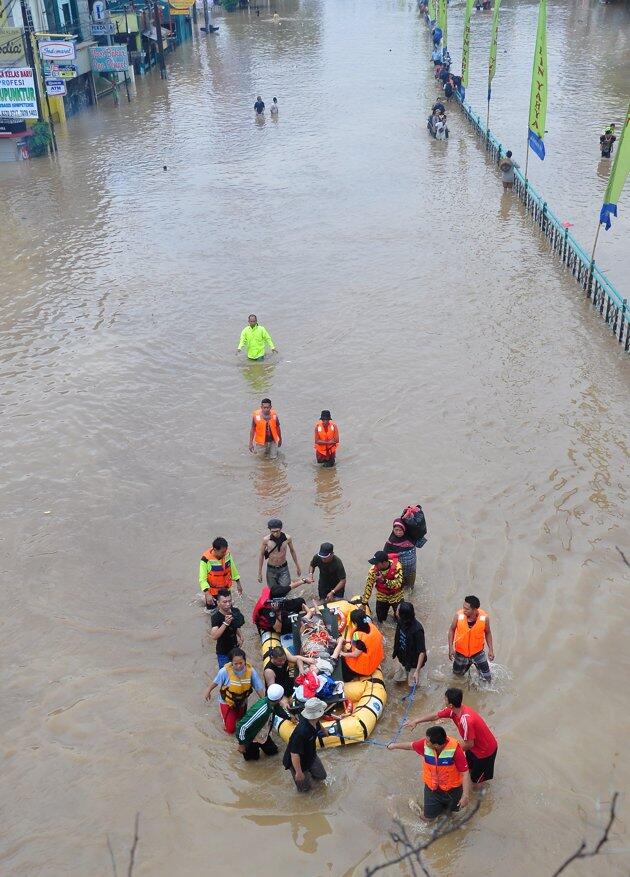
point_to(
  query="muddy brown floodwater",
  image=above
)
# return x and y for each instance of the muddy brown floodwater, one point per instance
(416, 302)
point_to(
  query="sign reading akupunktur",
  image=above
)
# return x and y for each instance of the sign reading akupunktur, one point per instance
(17, 93)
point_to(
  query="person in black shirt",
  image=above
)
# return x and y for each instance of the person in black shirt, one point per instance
(278, 668)
(226, 622)
(259, 106)
(409, 645)
(300, 756)
(332, 575)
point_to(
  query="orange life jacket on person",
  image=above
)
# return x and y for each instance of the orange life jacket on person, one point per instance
(384, 579)
(326, 434)
(367, 662)
(261, 426)
(439, 771)
(219, 571)
(469, 641)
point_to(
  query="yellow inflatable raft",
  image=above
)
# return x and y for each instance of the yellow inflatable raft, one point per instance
(365, 698)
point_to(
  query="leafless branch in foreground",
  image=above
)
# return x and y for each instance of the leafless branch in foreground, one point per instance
(132, 852)
(413, 853)
(582, 852)
(623, 556)
(112, 857)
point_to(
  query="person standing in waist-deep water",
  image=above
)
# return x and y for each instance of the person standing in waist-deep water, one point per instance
(274, 107)
(478, 742)
(409, 646)
(255, 338)
(506, 166)
(259, 106)
(265, 435)
(273, 549)
(401, 544)
(445, 772)
(253, 731)
(606, 143)
(326, 440)
(236, 681)
(300, 756)
(387, 576)
(332, 573)
(467, 636)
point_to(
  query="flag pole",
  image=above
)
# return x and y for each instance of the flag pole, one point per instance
(526, 156)
(488, 116)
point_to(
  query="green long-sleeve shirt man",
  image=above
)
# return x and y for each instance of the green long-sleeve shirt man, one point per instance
(255, 338)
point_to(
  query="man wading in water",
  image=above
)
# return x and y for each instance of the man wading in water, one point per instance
(274, 550)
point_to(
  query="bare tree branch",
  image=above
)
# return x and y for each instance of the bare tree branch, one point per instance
(132, 852)
(582, 852)
(444, 826)
(111, 855)
(623, 556)
(412, 853)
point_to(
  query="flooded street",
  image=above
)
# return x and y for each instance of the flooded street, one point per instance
(465, 369)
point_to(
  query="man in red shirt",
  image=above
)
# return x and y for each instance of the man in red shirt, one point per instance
(478, 741)
(444, 772)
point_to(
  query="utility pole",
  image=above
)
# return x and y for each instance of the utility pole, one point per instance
(112, 76)
(30, 61)
(160, 41)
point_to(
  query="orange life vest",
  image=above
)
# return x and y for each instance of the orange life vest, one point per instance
(219, 571)
(367, 662)
(439, 771)
(384, 579)
(469, 641)
(261, 426)
(326, 434)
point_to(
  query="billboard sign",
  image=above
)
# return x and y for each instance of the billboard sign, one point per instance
(109, 59)
(57, 50)
(17, 93)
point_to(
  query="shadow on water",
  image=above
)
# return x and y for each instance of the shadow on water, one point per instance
(306, 830)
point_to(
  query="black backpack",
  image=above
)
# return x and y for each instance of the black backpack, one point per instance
(415, 524)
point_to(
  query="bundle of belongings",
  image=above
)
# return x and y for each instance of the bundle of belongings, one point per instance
(318, 682)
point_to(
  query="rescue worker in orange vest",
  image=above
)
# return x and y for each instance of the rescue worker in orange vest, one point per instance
(445, 773)
(217, 570)
(326, 440)
(387, 575)
(265, 435)
(362, 654)
(467, 637)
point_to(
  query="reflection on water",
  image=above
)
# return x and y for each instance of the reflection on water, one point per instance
(270, 481)
(259, 375)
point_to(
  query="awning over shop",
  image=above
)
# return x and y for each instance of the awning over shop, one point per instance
(152, 34)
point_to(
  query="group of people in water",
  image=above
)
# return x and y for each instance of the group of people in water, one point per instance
(259, 107)
(302, 684)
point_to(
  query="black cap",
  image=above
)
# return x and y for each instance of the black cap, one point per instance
(274, 524)
(325, 415)
(325, 549)
(379, 557)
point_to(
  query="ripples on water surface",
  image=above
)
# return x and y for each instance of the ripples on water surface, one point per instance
(407, 295)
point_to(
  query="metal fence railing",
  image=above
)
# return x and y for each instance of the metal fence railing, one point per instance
(601, 292)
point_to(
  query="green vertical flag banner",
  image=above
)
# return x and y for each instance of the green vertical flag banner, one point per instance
(618, 175)
(442, 21)
(492, 61)
(431, 10)
(466, 42)
(538, 96)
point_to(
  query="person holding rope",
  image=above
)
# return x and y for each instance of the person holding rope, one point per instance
(478, 742)
(467, 636)
(445, 773)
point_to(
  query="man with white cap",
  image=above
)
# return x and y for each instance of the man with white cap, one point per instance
(253, 731)
(301, 756)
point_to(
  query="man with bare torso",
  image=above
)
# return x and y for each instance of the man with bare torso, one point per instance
(274, 550)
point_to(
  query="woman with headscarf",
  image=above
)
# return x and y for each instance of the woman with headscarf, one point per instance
(399, 543)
